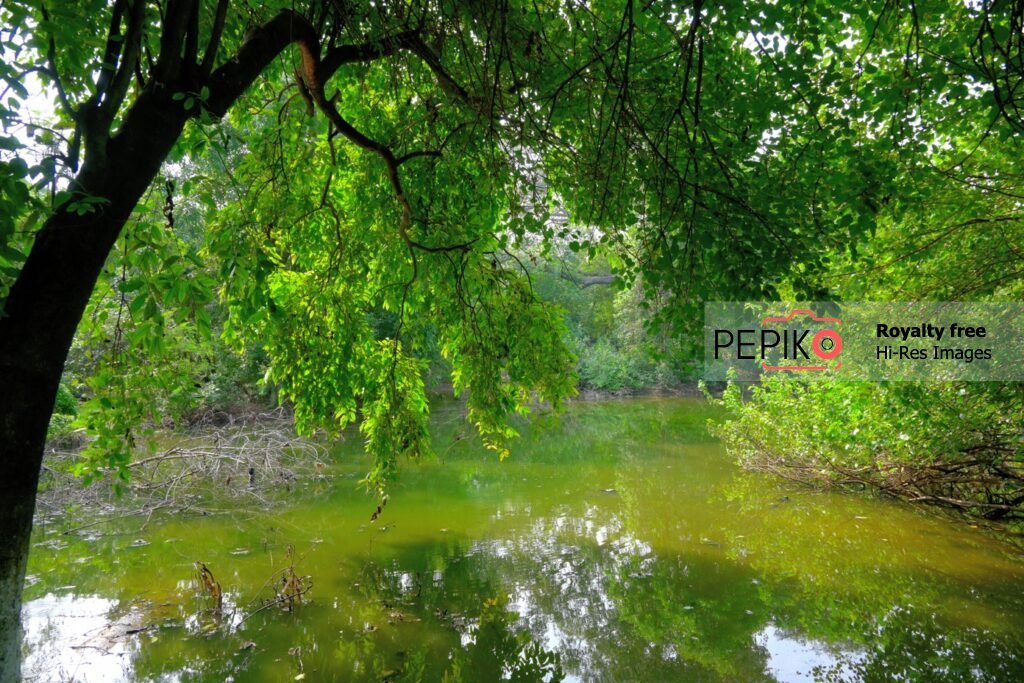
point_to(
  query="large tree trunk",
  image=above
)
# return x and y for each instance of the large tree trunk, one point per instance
(47, 300)
(41, 313)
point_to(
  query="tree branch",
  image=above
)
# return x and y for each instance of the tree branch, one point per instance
(177, 15)
(406, 40)
(229, 81)
(111, 53)
(210, 56)
(364, 52)
(122, 79)
(51, 60)
(415, 44)
(431, 152)
(192, 37)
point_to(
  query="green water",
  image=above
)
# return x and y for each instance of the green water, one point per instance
(618, 543)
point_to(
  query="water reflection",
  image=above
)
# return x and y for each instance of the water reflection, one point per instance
(791, 658)
(617, 544)
(77, 638)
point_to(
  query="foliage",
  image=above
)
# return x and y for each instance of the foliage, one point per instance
(66, 403)
(956, 445)
(605, 367)
(946, 227)
(64, 412)
(609, 331)
(950, 233)
(145, 341)
(449, 141)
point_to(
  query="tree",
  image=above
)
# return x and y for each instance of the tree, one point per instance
(125, 128)
(719, 150)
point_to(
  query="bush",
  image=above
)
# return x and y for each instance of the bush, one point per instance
(956, 445)
(606, 368)
(66, 403)
(65, 410)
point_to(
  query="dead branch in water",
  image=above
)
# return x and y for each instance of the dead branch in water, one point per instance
(987, 483)
(208, 585)
(259, 459)
(289, 588)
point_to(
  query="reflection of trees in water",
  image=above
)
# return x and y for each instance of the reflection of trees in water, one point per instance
(456, 613)
(646, 568)
(910, 644)
(485, 644)
(405, 622)
(585, 587)
(826, 570)
(597, 583)
(681, 581)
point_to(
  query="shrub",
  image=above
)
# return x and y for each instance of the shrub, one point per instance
(65, 410)
(956, 445)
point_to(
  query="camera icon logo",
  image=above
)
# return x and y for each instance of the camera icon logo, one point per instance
(826, 344)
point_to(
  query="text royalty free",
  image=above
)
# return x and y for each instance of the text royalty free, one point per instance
(929, 331)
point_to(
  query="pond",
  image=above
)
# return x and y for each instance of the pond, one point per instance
(617, 543)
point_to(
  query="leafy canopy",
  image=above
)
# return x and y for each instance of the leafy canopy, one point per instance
(401, 156)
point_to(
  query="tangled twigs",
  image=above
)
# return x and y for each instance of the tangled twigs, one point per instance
(289, 588)
(257, 458)
(987, 482)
